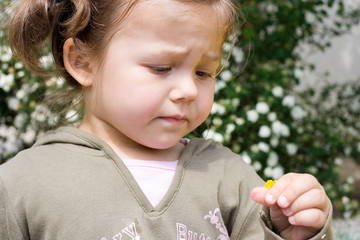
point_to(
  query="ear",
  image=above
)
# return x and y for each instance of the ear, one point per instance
(75, 64)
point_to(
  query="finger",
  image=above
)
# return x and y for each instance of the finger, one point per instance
(258, 195)
(273, 194)
(298, 187)
(315, 198)
(290, 187)
(312, 217)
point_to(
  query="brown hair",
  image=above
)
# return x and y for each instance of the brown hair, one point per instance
(91, 23)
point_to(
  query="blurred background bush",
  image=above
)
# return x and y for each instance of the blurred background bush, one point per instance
(257, 113)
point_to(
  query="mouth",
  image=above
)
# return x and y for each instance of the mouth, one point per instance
(175, 119)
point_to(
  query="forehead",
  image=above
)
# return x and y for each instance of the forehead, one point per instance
(194, 15)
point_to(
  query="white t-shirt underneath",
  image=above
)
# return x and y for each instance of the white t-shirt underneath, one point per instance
(153, 177)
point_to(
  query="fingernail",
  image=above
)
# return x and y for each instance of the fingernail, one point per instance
(287, 211)
(283, 202)
(292, 220)
(270, 199)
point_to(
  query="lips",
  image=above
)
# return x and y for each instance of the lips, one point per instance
(176, 119)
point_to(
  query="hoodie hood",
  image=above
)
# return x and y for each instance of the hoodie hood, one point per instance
(74, 136)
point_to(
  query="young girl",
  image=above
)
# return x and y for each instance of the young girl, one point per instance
(146, 71)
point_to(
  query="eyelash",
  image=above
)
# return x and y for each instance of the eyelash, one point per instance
(204, 75)
(160, 70)
(164, 70)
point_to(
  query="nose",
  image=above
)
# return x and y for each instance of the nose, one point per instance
(184, 88)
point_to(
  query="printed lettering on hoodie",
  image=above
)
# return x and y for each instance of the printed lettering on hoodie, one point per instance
(128, 232)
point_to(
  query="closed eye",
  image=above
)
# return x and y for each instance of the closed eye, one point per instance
(203, 75)
(160, 69)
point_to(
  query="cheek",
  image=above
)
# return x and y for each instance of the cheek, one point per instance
(206, 99)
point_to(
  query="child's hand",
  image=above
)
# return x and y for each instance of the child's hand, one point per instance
(298, 205)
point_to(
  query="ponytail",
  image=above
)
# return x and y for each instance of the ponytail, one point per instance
(35, 21)
(30, 26)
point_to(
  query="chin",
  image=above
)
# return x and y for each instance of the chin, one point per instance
(163, 145)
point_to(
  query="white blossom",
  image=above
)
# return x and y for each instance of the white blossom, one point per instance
(277, 172)
(254, 148)
(53, 119)
(346, 187)
(273, 159)
(227, 47)
(350, 180)
(20, 94)
(3, 131)
(291, 148)
(239, 121)
(313, 170)
(217, 121)
(230, 128)
(10, 147)
(6, 81)
(271, 116)
(345, 200)
(8, 133)
(270, 29)
(298, 31)
(40, 113)
(18, 65)
(264, 131)
(268, 171)
(276, 127)
(47, 61)
(262, 107)
(19, 120)
(252, 115)
(257, 166)
(274, 142)
(347, 151)
(280, 129)
(263, 147)
(72, 116)
(271, 8)
(288, 101)
(226, 75)
(235, 102)
(211, 134)
(348, 91)
(297, 113)
(6, 55)
(338, 161)
(4, 66)
(217, 108)
(298, 73)
(238, 54)
(310, 17)
(245, 157)
(13, 104)
(21, 74)
(355, 106)
(285, 131)
(277, 91)
(219, 85)
(29, 136)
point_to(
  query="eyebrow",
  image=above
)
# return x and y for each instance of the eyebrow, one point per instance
(180, 51)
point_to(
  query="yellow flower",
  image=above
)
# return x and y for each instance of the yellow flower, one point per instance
(269, 183)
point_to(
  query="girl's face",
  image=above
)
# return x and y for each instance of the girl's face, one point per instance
(156, 83)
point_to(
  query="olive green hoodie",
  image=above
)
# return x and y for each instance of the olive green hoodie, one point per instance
(71, 185)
